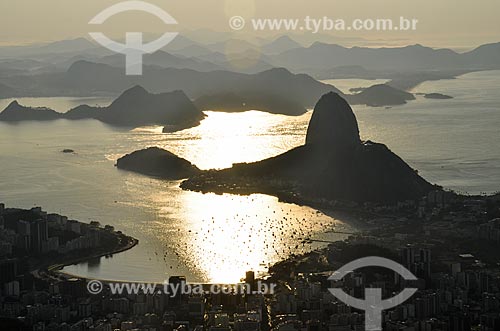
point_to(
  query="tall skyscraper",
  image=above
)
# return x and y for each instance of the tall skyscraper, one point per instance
(417, 260)
(39, 234)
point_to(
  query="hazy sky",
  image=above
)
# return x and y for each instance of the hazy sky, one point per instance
(447, 23)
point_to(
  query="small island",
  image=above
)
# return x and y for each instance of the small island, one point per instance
(379, 95)
(157, 162)
(437, 96)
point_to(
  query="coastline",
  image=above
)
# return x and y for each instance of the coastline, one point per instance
(60, 241)
(55, 269)
(132, 242)
(286, 196)
(48, 264)
(351, 218)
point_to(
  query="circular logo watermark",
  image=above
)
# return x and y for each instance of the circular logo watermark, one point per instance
(94, 287)
(134, 48)
(237, 23)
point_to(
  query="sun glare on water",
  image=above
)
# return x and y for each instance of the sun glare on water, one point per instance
(222, 236)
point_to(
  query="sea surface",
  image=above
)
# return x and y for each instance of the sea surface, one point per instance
(216, 238)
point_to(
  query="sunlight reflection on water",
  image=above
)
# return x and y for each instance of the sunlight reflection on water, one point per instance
(218, 237)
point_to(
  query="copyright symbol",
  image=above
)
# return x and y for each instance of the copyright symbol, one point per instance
(236, 22)
(94, 287)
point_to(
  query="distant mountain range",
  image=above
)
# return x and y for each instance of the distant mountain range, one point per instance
(239, 78)
(280, 45)
(324, 60)
(321, 56)
(231, 46)
(7, 91)
(86, 78)
(243, 56)
(180, 53)
(276, 90)
(36, 50)
(164, 60)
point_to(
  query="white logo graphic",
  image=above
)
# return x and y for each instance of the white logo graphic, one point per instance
(133, 48)
(237, 23)
(94, 287)
(373, 303)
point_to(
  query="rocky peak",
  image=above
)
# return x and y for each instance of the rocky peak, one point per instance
(333, 124)
(13, 105)
(136, 91)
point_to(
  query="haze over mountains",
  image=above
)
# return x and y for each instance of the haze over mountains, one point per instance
(7, 91)
(85, 78)
(235, 75)
(281, 52)
(415, 57)
(164, 60)
(276, 90)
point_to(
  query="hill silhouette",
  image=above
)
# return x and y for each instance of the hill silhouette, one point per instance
(380, 95)
(333, 164)
(157, 162)
(15, 112)
(134, 107)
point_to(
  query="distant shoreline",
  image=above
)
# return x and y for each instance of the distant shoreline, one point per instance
(48, 268)
(131, 243)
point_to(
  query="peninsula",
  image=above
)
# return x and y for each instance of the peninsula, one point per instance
(333, 165)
